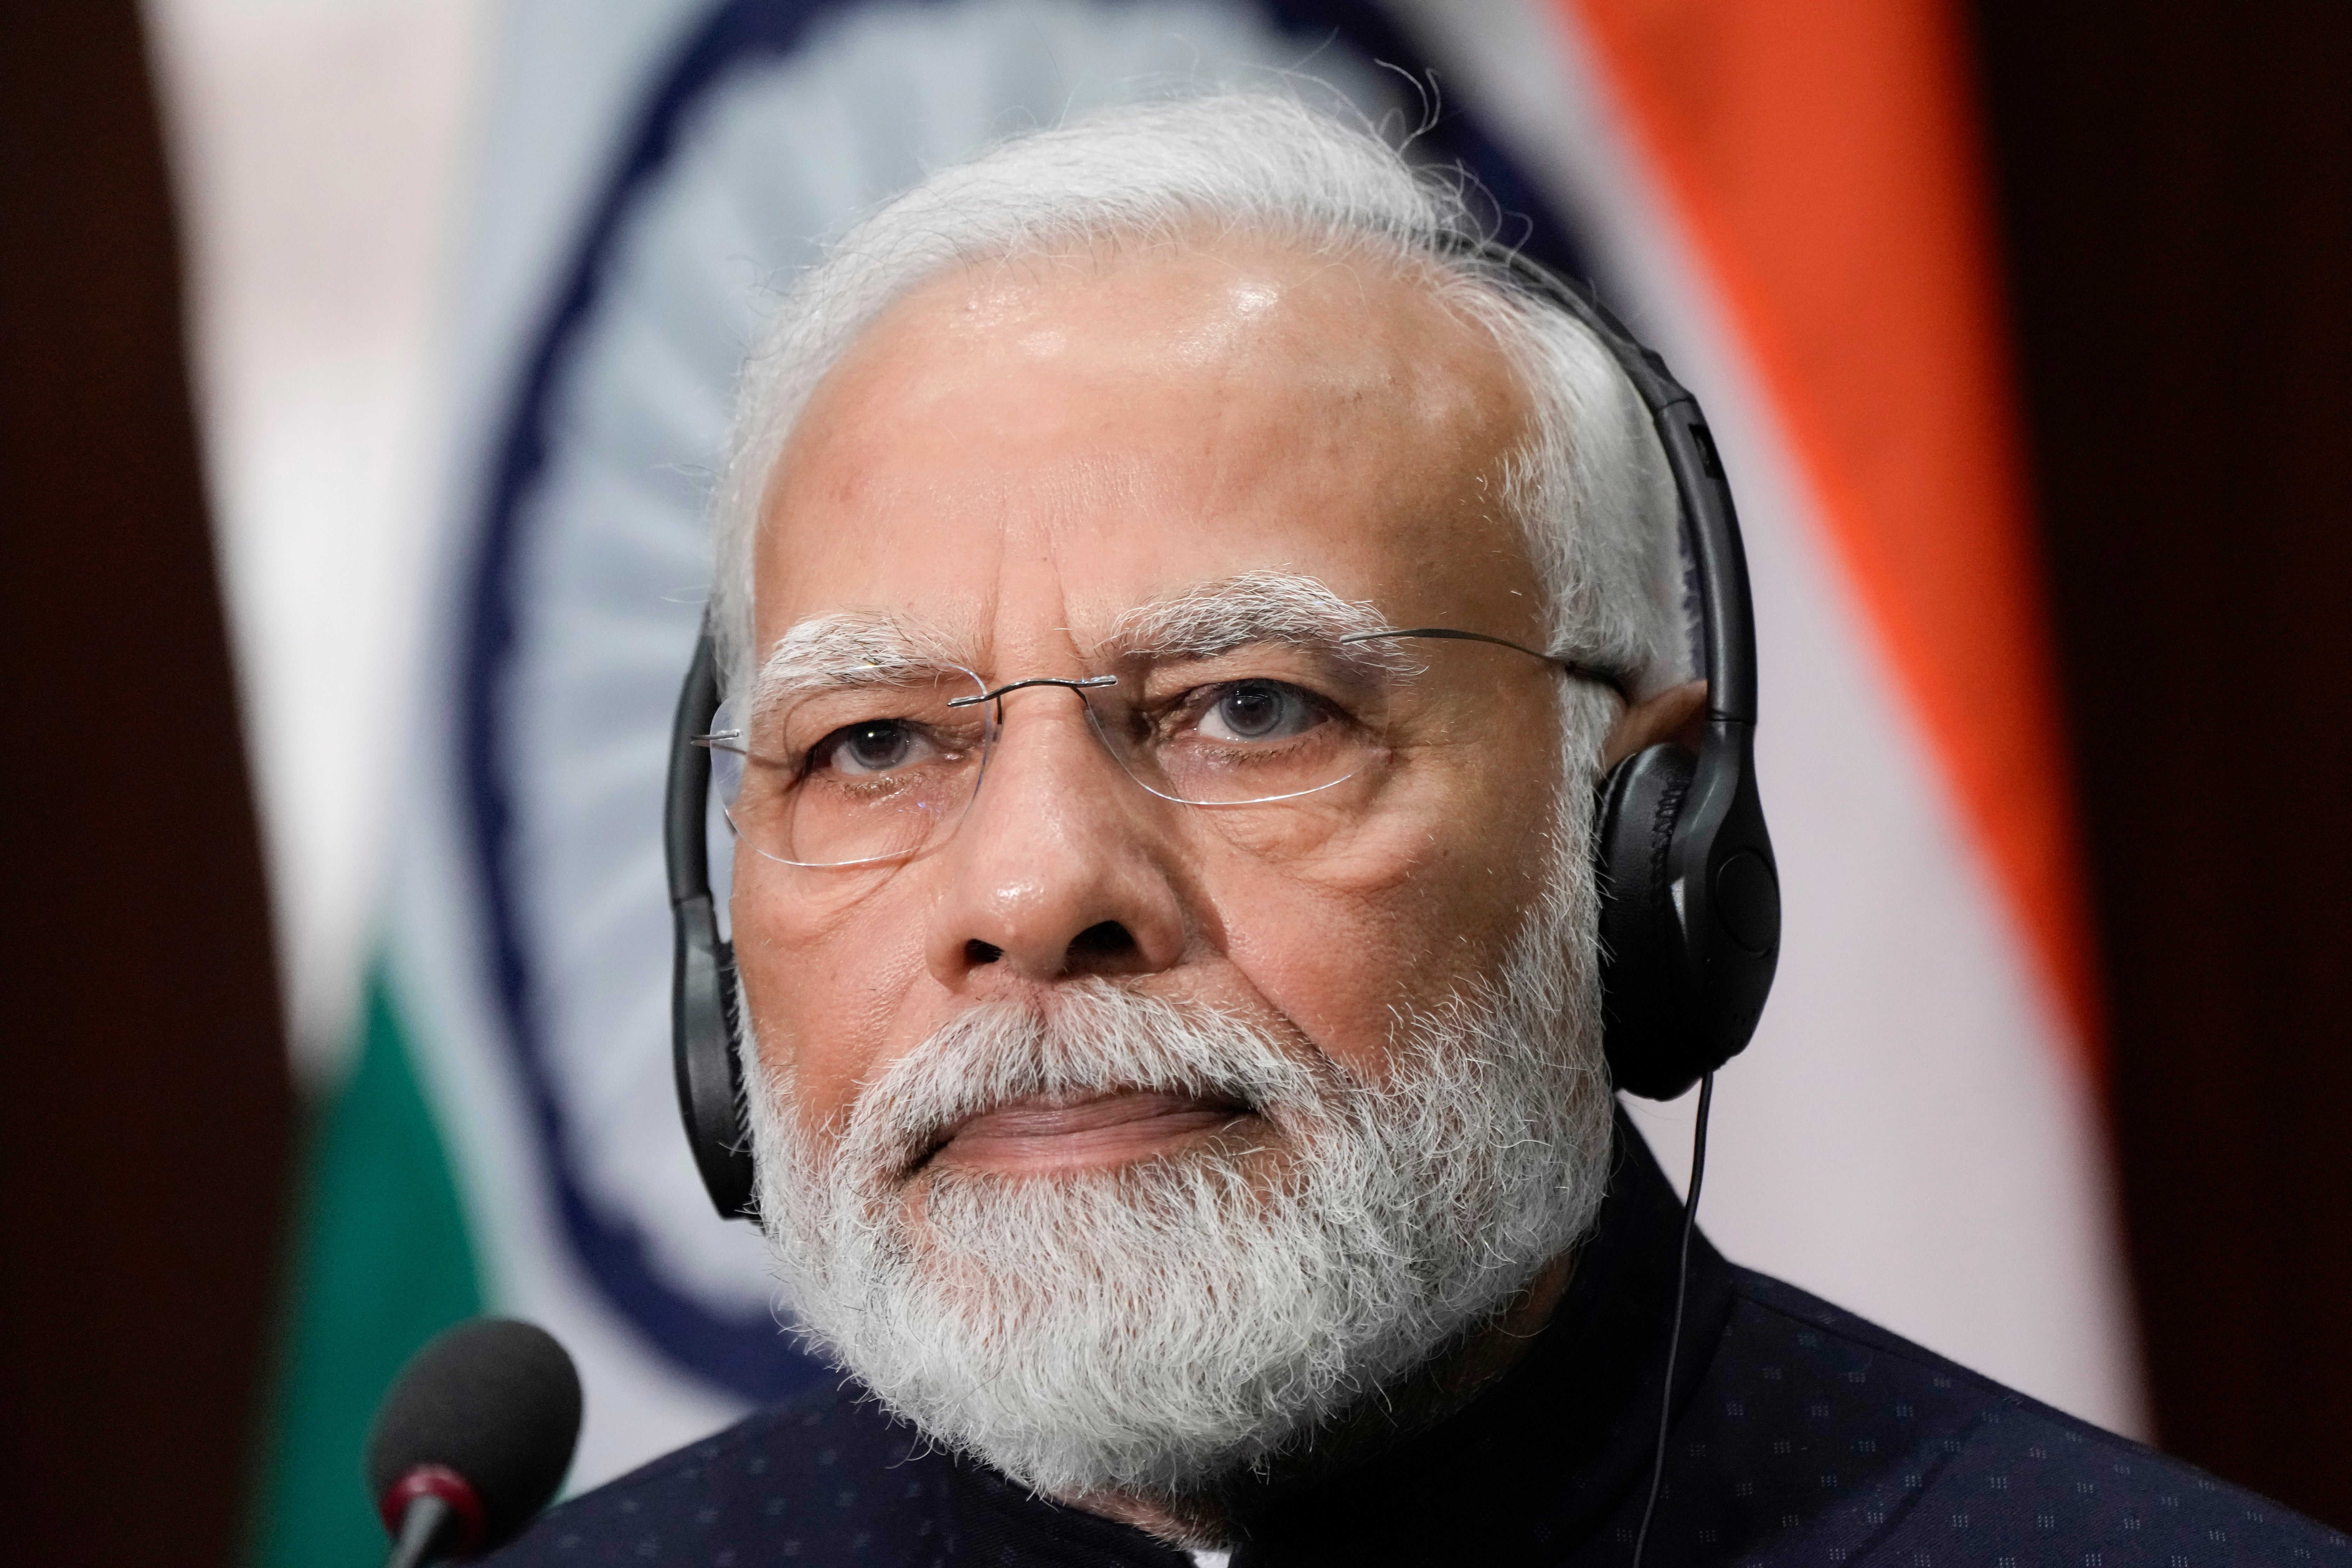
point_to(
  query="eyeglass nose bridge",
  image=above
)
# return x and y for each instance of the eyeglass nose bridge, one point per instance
(1088, 683)
(1081, 685)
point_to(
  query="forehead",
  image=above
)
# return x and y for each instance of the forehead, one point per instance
(1025, 451)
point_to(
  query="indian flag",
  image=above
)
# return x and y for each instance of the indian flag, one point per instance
(1788, 200)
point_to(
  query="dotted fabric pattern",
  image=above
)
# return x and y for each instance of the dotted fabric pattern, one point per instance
(1802, 1434)
(1821, 1439)
(820, 1480)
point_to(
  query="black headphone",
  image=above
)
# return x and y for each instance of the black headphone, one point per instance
(1690, 898)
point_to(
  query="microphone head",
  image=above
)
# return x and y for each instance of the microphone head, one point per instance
(493, 1403)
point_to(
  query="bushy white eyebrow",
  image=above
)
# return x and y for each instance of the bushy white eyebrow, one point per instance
(1210, 618)
(856, 648)
(844, 651)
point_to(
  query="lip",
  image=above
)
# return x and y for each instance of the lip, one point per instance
(1070, 1132)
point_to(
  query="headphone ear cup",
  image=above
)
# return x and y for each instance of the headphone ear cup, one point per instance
(1644, 996)
(707, 1059)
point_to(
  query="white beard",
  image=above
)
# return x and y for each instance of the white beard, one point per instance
(1161, 1329)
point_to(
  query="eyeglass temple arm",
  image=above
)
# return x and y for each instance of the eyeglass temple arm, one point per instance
(1602, 673)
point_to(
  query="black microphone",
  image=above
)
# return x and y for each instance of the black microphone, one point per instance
(472, 1440)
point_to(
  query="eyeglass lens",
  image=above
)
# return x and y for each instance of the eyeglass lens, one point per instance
(880, 772)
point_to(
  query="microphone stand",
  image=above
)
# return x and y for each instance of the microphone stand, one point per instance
(423, 1525)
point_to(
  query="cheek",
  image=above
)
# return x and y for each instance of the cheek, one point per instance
(1399, 922)
(828, 970)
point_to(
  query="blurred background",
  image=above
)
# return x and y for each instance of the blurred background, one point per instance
(361, 367)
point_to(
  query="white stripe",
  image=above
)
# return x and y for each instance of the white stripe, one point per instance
(569, 78)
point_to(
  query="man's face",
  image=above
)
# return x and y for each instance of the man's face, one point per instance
(1015, 460)
(1120, 1140)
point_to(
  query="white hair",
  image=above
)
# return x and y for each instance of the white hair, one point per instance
(1590, 485)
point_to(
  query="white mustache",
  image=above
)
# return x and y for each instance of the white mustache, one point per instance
(1092, 1038)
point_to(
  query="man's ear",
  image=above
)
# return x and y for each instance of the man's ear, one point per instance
(1674, 714)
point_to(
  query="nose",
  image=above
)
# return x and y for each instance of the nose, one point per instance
(1060, 868)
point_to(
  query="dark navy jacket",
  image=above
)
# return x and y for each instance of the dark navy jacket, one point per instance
(1801, 1434)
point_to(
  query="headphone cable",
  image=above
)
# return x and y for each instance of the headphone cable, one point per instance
(1682, 1292)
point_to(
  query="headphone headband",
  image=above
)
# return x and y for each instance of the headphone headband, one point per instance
(1710, 527)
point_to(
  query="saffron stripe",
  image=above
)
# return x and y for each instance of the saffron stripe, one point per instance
(1823, 159)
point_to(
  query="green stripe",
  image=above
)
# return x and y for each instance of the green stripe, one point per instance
(383, 1262)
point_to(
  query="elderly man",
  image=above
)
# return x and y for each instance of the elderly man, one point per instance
(1170, 993)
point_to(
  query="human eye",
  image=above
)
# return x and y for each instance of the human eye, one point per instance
(1258, 711)
(876, 748)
